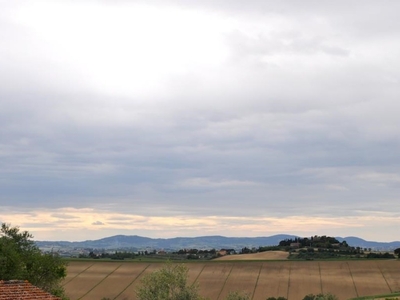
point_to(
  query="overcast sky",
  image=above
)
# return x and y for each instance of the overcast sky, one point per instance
(188, 118)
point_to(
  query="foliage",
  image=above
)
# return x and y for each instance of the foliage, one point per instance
(321, 296)
(397, 251)
(279, 298)
(272, 248)
(315, 242)
(313, 255)
(21, 259)
(118, 255)
(168, 283)
(380, 255)
(196, 251)
(237, 296)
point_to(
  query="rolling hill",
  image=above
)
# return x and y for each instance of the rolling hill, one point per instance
(202, 242)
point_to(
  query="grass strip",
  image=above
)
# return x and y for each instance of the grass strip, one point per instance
(134, 279)
(99, 282)
(392, 295)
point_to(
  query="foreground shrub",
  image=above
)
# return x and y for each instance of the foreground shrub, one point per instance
(237, 296)
(326, 296)
(168, 283)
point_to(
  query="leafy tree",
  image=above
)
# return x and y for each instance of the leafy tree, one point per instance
(237, 296)
(380, 255)
(21, 259)
(168, 283)
(397, 251)
(327, 296)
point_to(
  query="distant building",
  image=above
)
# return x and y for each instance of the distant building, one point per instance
(222, 252)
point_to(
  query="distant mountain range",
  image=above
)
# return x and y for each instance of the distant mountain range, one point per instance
(358, 242)
(202, 242)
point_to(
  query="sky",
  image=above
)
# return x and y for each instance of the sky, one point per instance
(190, 118)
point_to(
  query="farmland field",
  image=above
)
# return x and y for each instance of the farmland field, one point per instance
(260, 279)
(267, 255)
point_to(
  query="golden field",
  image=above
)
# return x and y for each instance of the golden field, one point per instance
(267, 255)
(261, 279)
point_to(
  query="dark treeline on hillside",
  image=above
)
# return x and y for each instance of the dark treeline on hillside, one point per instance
(315, 242)
(325, 247)
(120, 255)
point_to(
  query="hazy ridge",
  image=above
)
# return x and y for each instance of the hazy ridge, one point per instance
(202, 242)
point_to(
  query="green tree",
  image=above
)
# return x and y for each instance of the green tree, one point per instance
(327, 296)
(397, 251)
(237, 296)
(21, 259)
(168, 283)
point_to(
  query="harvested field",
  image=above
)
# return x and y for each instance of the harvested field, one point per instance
(273, 280)
(129, 292)
(390, 272)
(374, 283)
(261, 279)
(304, 279)
(195, 271)
(75, 268)
(116, 282)
(267, 255)
(336, 279)
(212, 279)
(243, 277)
(87, 280)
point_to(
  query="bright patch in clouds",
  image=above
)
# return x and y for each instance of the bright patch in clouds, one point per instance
(124, 51)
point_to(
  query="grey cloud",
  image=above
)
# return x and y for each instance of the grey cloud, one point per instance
(98, 223)
(64, 216)
(279, 43)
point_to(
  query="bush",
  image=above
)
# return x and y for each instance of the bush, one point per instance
(168, 283)
(321, 296)
(237, 296)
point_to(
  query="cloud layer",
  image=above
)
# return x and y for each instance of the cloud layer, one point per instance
(201, 111)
